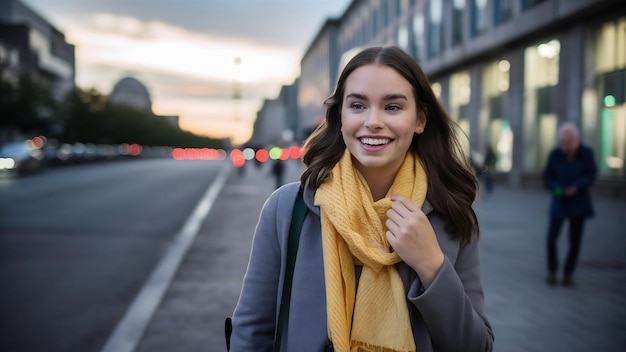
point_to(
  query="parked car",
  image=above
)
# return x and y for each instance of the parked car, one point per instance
(18, 158)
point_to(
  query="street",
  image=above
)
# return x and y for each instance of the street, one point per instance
(78, 242)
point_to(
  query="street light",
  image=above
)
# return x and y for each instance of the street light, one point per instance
(237, 85)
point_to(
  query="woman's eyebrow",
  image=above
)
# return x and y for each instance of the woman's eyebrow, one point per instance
(386, 97)
(395, 96)
(357, 96)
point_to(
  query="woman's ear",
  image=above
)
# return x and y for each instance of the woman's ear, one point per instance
(421, 122)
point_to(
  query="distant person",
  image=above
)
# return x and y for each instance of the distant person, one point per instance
(568, 175)
(388, 257)
(278, 170)
(489, 165)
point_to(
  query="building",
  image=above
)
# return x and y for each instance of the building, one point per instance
(278, 120)
(128, 91)
(508, 72)
(39, 49)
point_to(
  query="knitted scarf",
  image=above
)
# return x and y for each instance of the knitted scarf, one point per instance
(353, 232)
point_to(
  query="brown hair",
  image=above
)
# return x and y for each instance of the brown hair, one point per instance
(452, 185)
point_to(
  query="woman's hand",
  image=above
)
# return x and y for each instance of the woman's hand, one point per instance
(411, 235)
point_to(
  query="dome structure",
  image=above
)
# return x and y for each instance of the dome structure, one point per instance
(130, 92)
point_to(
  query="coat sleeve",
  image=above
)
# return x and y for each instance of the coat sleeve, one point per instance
(453, 306)
(254, 316)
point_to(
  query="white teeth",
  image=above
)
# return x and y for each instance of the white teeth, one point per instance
(375, 141)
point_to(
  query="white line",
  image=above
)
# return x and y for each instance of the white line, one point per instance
(131, 328)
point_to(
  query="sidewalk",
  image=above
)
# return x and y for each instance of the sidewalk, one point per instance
(526, 314)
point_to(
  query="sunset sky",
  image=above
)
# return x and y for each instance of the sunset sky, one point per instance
(185, 52)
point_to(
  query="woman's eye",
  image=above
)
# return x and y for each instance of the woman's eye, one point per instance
(356, 106)
(393, 107)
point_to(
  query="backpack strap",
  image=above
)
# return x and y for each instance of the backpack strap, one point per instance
(297, 218)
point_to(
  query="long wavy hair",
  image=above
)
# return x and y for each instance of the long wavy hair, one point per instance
(452, 186)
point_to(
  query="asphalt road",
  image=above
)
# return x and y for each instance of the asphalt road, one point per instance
(77, 243)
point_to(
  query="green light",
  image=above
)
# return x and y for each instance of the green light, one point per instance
(275, 153)
(609, 101)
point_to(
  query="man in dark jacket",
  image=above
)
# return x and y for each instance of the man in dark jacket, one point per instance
(568, 175)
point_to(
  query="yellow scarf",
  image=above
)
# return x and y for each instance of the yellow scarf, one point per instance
(353, 232)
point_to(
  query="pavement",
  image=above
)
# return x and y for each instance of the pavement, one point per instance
(526, 314)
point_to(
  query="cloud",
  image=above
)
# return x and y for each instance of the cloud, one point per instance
(136, 45)
(184, 51)
(188, 74)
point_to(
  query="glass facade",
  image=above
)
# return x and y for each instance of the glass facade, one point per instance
(460, 94)
(419, 32)
(507, 94)
(610, 71)
(457, 22)
(493, 113)
(526, 4)
(541, 76)
(503, 10)
(435, 27)
(479, 16)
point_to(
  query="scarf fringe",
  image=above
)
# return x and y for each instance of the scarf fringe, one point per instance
(359, 346)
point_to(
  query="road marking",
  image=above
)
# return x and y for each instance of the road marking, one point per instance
(131, 328)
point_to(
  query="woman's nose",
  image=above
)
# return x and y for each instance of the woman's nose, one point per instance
(374, 120)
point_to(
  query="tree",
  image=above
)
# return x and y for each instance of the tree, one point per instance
(27, 108)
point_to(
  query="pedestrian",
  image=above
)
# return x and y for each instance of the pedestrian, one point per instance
(278, 169)
(388, 256)
(489, 165)
(568, 175)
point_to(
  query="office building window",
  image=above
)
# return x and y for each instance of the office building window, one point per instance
(403, 7)
(494, 120)
(610, 69)
(503, 11)
(435, 28)
(541, 76)
(403, 37)
(419, 35)
(457, 21)
(436, 87)
(479, 16)
(526, 4)
(460, 94)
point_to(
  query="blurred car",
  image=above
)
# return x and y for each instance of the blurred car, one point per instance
(18, 158)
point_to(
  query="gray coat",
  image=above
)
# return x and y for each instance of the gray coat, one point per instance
(448, 316)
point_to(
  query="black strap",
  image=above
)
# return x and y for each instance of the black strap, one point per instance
(297, 218)
(228, 329)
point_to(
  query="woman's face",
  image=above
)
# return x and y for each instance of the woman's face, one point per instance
(379, 117)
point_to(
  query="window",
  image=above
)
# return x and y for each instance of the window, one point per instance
(403, 37)
(526, 4)
(435, 28)
(541, 76)
(457, 21)
(419, 35)
(493, 113)
(479, 17)
(610, 69)
(503, 11)
(460, 94)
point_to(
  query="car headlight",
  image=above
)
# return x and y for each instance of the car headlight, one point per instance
(7, 164)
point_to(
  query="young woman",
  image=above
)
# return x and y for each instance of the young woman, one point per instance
(388, 258)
